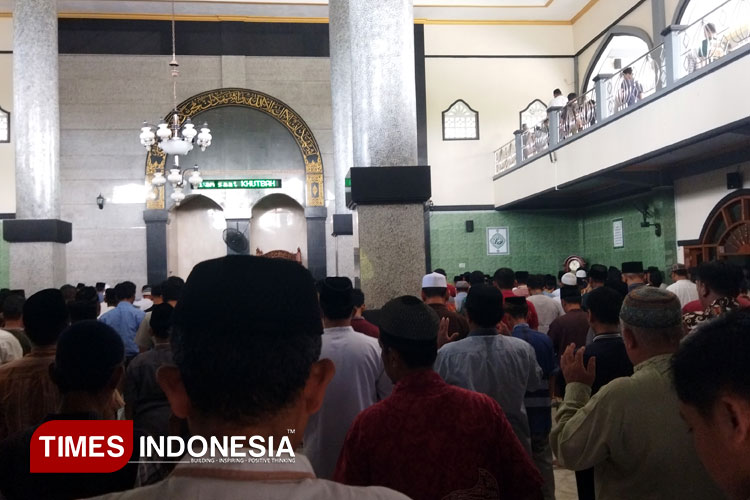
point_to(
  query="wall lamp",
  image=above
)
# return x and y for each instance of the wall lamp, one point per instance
(100, 201)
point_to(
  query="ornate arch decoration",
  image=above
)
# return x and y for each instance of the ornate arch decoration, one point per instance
(534, 107)
(607, 37)
(156, 159)
(726, 232)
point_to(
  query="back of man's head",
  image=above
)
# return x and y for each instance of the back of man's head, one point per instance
(440, 270)
(161, 320)
(550, 282)
(171, 288)
(604, 304)
(654, 316)
(358, 296)
(45, 316)
(434, 285)
(535, 282)
(522, 277)
(516, 307)
(13, 307)
(85, 306)
(410, 327)
(556, 93)
(714, 360)
(484, 305)
(720, 277)
(627, 71)
(100, 286)
(504, 278)
(110, 296)
(598, 273)
(68, 292)
(88, 353)
(125, 290)
(244, 352)
(336, 297)
(476, 278)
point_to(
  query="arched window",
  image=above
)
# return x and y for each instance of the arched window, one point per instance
(617, 53)
(460, 122)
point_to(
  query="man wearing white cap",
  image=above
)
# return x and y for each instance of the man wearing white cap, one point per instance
(435, 295)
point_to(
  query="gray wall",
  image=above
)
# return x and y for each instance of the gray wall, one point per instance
(104, 100)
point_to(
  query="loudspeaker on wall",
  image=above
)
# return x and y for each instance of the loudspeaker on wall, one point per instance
(734, 180)
(469, 226)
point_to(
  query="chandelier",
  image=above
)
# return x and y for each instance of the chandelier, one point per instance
(175, 141)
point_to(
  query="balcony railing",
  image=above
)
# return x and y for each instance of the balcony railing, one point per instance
(624, 90)
(578, 115)
(505, 157)
(685, 49)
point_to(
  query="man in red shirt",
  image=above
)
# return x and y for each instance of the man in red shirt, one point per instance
(429, 439)
(505, 280)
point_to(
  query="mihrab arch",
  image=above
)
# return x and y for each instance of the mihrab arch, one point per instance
(156, 159)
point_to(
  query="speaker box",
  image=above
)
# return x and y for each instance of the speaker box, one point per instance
(734, 180)
(469, 226)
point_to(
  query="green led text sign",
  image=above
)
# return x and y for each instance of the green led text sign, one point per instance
(241, 184)
(348, 182)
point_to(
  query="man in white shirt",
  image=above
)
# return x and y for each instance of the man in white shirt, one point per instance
(247, 365)
(360, 380)
(547, 308)
(558, 100)
(10, 348)
(685, 289)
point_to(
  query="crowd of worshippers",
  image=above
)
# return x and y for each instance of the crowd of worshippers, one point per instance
(441, 396)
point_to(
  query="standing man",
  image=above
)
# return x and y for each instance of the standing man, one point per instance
(538, 403)
(462, 290)
(504, 280)
(632, 275)
(572, 327)
(547, 308)
(711, 378)
(631, 90)
(169, 293)
(611, 359)
(27, 392)
(125, 318)
(481, 461)
(359, 382)
(631, 431)
(597, 278)
(359, 323)
(558, 99)
(502, 367)
(435, 295)
(718, 284)
(685, 289)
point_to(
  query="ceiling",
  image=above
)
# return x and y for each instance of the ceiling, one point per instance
(437, 11)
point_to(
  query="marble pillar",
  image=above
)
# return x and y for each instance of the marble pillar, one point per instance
(384, 133)
(341, 90)
(36, 261)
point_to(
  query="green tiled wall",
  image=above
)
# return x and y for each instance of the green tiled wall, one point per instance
(540, 241)
(4, 261)
(640, 243)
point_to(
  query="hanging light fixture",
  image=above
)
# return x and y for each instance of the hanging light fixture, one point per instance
(173, 140)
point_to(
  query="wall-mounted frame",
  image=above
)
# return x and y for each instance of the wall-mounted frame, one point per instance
(4, 125)
(618, 238)
(497, 241)
(460, 122)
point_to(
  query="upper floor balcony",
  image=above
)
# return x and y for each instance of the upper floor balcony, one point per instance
(687, 99)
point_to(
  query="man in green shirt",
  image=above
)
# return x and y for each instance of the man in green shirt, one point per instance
(631, 431)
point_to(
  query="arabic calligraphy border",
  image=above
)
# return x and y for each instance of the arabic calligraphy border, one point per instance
(156, 159)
